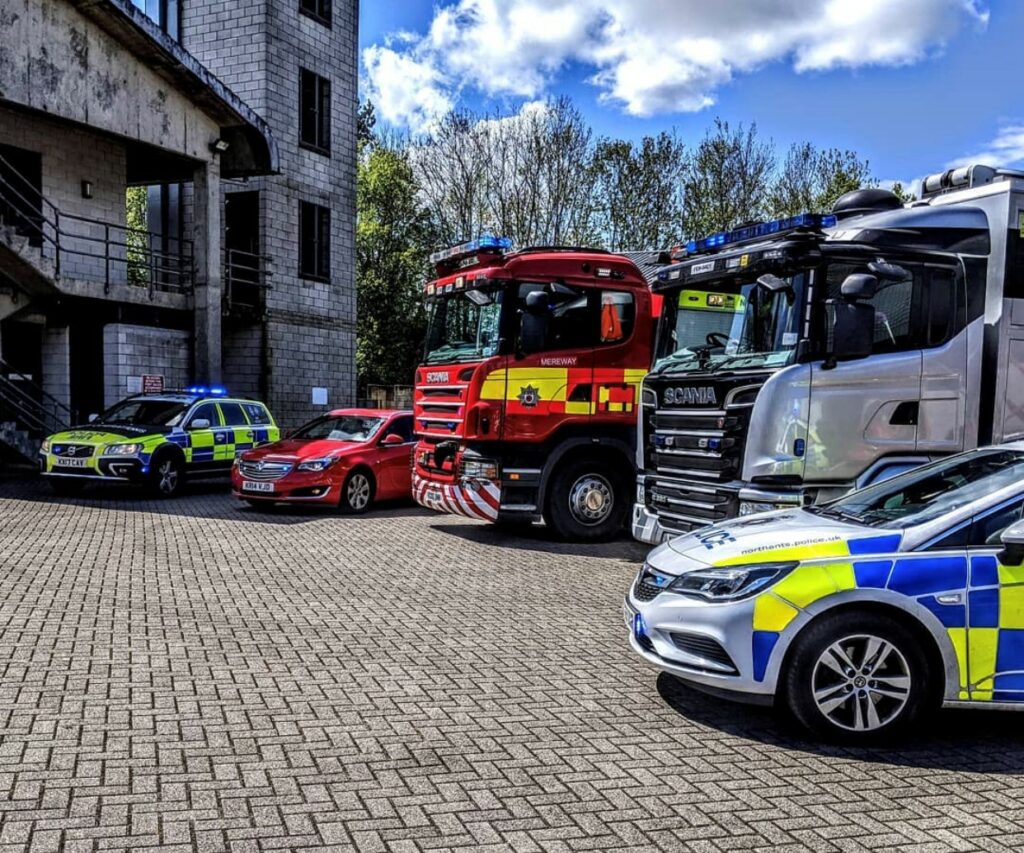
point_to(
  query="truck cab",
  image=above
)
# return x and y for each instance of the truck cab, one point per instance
(525, 403)
(860, 344)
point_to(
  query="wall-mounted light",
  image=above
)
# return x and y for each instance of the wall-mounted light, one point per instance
(219, 146)
(86, 189)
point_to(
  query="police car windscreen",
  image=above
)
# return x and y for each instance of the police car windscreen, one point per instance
(145, 413)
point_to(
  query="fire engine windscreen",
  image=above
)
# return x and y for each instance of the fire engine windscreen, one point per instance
(738, 325)
(463, 326)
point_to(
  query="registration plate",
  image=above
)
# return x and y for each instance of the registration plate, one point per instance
(72, 463)
(252, 486)
(432, 497)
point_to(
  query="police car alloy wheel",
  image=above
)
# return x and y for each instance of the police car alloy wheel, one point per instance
(856, 677)
(167, 476)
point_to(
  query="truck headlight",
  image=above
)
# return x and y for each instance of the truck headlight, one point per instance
(731, 583)
(122, 449)
(754, 507)
(317, 465)
(479, 469)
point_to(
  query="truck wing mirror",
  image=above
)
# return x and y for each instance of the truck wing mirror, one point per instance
(859, 286)
(774, 284)
(537, 302)
(533, 333)
(1013, 545)
(888, 272)
(851, 331)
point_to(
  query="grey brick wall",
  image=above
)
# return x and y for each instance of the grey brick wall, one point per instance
(258, 49)
(70, 156)
(56, 352)
(136, 350)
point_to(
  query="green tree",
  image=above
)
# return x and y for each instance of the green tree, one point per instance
(727, 179)
(811, 179)
(136, 237)
(638, 192)
(393, 240)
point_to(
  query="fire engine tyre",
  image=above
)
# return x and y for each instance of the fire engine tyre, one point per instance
(857, 677)
(357, 493)
(166, 476)
(587, 501)
(66, 488)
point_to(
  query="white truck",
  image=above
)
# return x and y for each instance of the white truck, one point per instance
(860, 344)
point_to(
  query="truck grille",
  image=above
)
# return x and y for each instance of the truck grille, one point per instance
(695, 453)
(439, 400)
(262, 470)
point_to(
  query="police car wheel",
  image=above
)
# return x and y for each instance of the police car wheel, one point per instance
(357, 493)
(167, 476)
(857, 677)
(587, 501)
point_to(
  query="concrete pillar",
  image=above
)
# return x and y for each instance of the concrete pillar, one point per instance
(57, 363)
(206, 244)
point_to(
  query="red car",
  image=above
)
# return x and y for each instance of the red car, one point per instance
(346, 458)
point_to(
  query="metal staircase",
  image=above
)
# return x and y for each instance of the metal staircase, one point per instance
(27, 415)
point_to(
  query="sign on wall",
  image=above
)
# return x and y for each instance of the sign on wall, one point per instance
(152, 383)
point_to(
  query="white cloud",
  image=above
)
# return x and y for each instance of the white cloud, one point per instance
(647, 56)
(1007, 149)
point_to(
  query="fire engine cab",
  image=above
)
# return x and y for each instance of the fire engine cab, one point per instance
(526, 401)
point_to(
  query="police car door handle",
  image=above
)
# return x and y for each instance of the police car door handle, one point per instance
(949, 598)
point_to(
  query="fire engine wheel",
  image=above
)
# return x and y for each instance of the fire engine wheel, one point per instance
(587, 501)
(357, 493)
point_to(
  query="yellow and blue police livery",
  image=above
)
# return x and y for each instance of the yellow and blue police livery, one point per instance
(157, 440)
(859, 615)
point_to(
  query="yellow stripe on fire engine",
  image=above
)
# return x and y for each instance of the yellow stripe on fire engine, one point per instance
(550, 383)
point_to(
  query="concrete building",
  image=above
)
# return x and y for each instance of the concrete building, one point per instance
(176, 202)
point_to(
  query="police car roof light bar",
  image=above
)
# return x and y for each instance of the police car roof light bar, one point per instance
(772, 228)
(483, 243)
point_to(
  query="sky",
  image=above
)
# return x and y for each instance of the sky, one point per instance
(914, 86)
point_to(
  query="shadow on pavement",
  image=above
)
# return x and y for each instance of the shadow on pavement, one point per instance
(128, 498)
(542, 539)
(971, 741)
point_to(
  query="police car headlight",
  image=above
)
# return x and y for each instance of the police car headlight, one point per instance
(45, 446)
(122, 449)
(315, 465)
(754, 507)
(731, 583)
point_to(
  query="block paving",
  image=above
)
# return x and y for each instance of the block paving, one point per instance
(195, 676)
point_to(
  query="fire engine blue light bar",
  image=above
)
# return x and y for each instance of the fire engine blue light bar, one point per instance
(483, 243)
(764, 229)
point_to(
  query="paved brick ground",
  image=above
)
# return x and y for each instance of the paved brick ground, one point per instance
(194, 676)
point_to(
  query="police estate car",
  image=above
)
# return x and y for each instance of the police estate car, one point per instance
(157, 440)
(857, 615)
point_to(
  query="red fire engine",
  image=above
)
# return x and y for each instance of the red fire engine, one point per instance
(526, 401)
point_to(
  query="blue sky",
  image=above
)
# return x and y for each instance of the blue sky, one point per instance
(913, 85)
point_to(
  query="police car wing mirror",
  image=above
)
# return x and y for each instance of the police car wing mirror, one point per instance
(199, 423)
(1013, 545)
(93, 417)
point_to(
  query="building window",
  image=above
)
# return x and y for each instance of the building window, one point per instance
(315, 112)
(314, 241)
(318, 10)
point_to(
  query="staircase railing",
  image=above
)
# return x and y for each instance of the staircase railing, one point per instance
(246, 279)
(30, 405)
(93, 249)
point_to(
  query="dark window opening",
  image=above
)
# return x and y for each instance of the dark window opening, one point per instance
(314, 241)
(318, 10)
(315, 112)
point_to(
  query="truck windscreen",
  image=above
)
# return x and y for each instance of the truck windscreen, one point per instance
(463, 326)
(738, 325)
